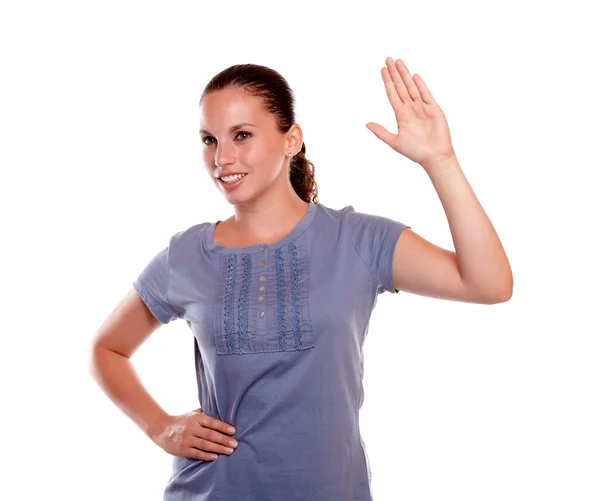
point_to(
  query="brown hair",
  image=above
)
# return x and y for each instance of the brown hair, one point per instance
(278, 99)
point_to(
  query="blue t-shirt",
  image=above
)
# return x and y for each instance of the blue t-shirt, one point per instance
(279, 330)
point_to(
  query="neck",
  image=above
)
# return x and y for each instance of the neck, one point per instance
(268, 217)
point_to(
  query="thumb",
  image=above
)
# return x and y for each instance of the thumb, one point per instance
(381, 132)
(199, 409)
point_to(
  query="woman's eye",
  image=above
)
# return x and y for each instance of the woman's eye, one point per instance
(248, 134)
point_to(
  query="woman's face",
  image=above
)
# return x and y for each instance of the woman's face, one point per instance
(256, 149)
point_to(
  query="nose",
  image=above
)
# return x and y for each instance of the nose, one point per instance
(224, 154)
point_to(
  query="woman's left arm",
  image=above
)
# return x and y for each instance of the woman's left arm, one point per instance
(481, 261)
(479, 270)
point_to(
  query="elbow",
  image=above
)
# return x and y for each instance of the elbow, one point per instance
(495, 298)
(94, 359)
(503, 290)
(91, 358)
(500, 295)
(503, 298)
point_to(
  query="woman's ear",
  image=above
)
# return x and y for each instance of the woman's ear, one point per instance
(295, 139)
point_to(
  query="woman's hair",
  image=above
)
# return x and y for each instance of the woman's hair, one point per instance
(278, 99)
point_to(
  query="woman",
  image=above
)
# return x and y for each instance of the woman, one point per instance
(279, 297)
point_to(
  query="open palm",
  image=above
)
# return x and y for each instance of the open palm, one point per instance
(423, 132)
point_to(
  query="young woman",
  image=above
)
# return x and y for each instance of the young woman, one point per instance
(279, 296)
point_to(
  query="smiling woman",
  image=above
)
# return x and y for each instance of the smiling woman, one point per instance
(279, 298)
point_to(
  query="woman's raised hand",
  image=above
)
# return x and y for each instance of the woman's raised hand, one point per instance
(195, 435)
(423, 133)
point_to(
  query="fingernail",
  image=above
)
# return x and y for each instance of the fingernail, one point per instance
(231, 430)
(228, 450)
(233, 443)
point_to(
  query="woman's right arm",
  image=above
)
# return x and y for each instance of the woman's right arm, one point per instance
(121, 334)
(193, 434)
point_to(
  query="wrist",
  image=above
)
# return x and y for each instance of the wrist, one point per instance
(157, 425)
(448, 161)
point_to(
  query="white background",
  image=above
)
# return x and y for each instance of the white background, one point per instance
(101, 164)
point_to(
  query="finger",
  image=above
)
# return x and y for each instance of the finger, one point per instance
(192, 452)
(215, 424)
(215, 437)
(208, 446)
(425, 93)
(390, 90)
(397, 79)
(412, 89)
(381, 132)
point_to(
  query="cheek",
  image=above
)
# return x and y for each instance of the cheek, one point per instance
(208, 167)
(251, 156)
(207, 158)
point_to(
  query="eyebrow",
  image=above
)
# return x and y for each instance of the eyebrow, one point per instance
(232, 128)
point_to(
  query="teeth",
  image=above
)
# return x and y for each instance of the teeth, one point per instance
(230, 179)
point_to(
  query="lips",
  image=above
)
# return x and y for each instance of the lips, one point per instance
(234, 184)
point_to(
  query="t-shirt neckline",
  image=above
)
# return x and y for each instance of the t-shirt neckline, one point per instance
(251, 249)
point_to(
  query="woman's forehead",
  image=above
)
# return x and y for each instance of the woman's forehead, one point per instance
(229, 100)
(226, 109)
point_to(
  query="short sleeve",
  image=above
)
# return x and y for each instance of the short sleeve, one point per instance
(152, 285)
(374, 238)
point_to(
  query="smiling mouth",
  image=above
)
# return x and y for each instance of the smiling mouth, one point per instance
(231, 185)
(237, 178)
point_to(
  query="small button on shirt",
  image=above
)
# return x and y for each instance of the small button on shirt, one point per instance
(278, 333)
